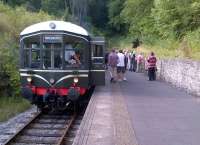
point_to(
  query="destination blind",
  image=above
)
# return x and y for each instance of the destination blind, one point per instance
(52, 39)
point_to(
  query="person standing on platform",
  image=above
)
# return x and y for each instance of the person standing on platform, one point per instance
(132, 61)
(121, 66)
(125, 59)
(152, 66)
(112, 62)
(140, 61)
(106, 60)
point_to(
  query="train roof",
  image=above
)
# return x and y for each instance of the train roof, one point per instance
(55, 26)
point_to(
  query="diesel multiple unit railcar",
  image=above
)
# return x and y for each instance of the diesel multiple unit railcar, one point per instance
(59, 63)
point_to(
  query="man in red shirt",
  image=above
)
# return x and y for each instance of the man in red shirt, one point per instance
(152, 67)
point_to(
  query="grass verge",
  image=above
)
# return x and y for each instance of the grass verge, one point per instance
(10, 106)
(169, 48)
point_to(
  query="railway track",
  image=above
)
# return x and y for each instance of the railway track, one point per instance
(47, 129)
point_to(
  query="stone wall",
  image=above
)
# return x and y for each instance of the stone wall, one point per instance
(181, 73)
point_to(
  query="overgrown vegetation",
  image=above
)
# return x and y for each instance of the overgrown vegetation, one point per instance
(12, 22)
(170, 28)
(10, 106)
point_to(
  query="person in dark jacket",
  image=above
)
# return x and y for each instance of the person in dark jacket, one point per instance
(152, 67)
(112, 62)
(106, 60)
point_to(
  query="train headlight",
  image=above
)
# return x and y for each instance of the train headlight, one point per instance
(29, 79)
(75, 80)
(52, 80)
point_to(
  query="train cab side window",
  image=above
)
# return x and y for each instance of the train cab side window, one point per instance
(98, 51)
(26, 58)
(73, 56)
(32, 55)
(35, 58)
(97, 54)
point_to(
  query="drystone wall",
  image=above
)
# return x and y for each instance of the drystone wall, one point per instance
(181, 73)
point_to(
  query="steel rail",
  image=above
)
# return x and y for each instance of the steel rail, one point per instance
(68, 125)
(22, 129)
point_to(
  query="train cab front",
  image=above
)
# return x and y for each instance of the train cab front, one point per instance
(54, 64)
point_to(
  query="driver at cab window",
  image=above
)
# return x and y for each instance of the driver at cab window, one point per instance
(71, 56)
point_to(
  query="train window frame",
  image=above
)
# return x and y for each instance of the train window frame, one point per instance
(28, 49)
(97, 57)
(75, 45)
(35, 58)
(71, 62)
(52, 51)
(39, 39)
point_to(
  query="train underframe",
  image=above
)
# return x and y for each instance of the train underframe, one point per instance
(58, 99)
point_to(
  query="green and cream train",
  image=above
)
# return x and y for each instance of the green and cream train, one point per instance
(59, 63)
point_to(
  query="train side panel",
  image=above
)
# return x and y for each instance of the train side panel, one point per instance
(97, 60)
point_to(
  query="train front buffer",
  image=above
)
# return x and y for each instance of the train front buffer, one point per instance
(53, 96)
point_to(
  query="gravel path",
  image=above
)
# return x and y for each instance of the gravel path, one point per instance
(10, 127)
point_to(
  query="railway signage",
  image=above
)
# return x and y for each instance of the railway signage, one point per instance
(52, 39)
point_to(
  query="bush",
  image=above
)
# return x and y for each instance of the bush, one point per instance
(11, 106)
(12, 22)
(193, 38)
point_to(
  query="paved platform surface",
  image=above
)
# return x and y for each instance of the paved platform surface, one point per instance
(140, 112)
(160, 113)
(106, 120)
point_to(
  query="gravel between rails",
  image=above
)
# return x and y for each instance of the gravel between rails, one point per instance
(10, 127)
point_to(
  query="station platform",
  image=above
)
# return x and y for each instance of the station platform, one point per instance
(140, 112)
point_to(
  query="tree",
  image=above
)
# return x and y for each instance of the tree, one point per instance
(79, 9)
(14, 3)
(98, 13)
(137, 14)
(53, 7)
(176, 17)
(12, 22)
(115, 21)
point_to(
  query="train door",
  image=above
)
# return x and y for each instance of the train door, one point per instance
(97, 58)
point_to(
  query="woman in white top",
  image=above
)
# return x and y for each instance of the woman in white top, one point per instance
(121, 66)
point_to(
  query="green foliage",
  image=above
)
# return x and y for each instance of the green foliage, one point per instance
(193, 38)
(169, 27)
(136, 14)
(12, 22)
(98, 13)
(120, 42)
(10, 106)
(176, 16)
(116, 22)
(53, 7)
(14, 3)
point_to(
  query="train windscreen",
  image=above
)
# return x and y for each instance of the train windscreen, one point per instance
(54, 52)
